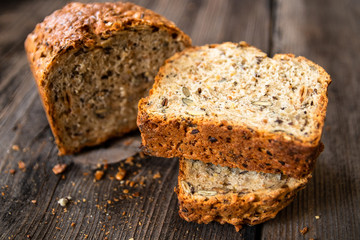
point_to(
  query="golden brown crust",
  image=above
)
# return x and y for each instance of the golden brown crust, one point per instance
(233, 208)
(232, 145)
(80, 25)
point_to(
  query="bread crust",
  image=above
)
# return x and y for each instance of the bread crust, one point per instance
(79, 25)
(233, 208)
(227, 144)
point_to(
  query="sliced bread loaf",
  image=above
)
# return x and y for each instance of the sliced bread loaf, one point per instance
(93, 62)
(208, 192)
(230, 104)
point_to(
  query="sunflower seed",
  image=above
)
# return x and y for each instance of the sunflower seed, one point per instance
(207, 193)
(188, 102)
(196, 113)
(186, 91)
(187, 187)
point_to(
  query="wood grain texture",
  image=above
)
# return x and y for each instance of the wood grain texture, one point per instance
(326, 32)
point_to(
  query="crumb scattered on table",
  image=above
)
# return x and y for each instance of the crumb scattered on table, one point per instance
(21, 165)
(15, 147)
(304, 230)
(99, 175)
(120, 174)
(129, 161)
(157, 175)
(59, 168)
(63, 202)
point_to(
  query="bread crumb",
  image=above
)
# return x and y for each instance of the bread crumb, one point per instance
(304, 230)
(15, 147)
(72, 224)
(34, 201)
(85, 174)
(98, 175)
(59, 168)
(12, 171)
(125, 191)
(141, 155)
(157, 175)
(317, 217)
(120, 174)
(63, 202)
(129, 161)
(131, 238)
(21, 165)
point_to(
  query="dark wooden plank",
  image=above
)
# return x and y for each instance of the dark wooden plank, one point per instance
(328, 33)
(25, 136)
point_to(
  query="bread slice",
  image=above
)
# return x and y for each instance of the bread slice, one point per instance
(209, 192)
(93, 62)
(230, 104)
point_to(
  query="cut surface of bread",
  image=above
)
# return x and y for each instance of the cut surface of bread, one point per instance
(209, 192)
(93, 62)
(232, 105)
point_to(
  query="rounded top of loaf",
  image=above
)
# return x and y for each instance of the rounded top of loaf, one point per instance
(89, 25)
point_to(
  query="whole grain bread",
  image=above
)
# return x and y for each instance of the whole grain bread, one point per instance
(93, 62)
(208, 192)
(230, 104)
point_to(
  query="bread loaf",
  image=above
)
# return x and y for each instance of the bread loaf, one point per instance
(93, 62)
(208, 192)
(230, 104)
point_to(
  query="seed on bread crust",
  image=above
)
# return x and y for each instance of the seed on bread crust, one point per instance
(207, 193)
(164, 102)
(186, 91)
(188, 102)
(253, 92)
(187, 187)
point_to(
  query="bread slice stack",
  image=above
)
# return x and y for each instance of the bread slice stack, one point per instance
(246, 128)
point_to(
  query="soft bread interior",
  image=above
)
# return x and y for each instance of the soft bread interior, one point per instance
(206, 179)
(95, 91)
(241, 85)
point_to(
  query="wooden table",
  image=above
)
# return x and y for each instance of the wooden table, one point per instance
(327, 32)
